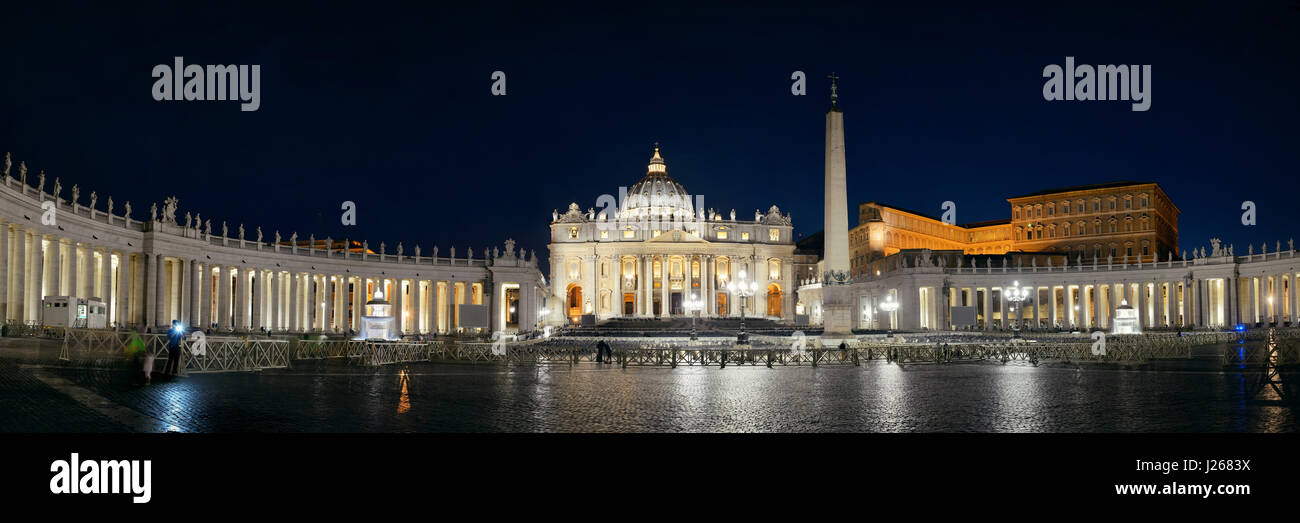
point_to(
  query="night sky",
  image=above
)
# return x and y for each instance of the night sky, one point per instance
(391, 108)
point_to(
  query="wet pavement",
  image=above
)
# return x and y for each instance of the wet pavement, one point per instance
(320, 396)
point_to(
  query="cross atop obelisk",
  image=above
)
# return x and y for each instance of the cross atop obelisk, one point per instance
(834, 94)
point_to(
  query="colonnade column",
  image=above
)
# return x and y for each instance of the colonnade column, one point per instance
(196, 291)
(17, 304)
(4, 271)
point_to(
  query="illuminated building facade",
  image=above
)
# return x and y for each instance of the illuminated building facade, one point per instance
(649, 257)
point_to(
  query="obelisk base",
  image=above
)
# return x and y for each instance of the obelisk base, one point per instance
(837, 313)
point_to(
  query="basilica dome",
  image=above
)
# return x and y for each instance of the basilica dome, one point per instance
(657, 195)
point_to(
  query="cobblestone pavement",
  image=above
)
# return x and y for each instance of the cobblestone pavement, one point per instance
(318, 396)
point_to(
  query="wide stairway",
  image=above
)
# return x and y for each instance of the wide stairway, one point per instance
(682, 327)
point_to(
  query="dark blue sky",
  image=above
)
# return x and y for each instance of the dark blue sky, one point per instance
(390, 107)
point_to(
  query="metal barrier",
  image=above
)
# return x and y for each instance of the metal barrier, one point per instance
(217, 353)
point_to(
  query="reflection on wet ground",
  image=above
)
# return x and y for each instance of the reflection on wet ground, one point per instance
(1198, 395)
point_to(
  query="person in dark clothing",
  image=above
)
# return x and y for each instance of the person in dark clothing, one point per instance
(600, 351)
(174, 337)
(609, 352)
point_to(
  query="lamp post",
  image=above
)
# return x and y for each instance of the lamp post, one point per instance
(889, 306)
(743, 289)
(694, 304)
(1015, 295)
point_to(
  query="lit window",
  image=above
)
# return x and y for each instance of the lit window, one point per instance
(654, 234)
(722, 234)
(573, 233)
(629, 233)
(744, 236)
(604, 234)
(774, 235)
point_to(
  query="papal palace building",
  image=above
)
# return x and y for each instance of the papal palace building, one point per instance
(150, 272)
(1076, 253)
(655, 254)
(1120, 219)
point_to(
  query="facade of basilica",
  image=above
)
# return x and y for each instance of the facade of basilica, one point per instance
(657, 255)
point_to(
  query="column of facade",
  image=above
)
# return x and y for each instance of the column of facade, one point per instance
(417, 309)
(1052, 313)
(646, 275)
(324, 307)
(1233, 310)
(1144, 316)
(223, 297)
(1275, 300)
(359, 301)
(294, 313)
(988, 307)
(153, 290)
(104, 285)
(38, 272)
(1186, 304)
(196, 292)
(72, 263)
(399, 303)
(54, 258)
(665, 310)
(122, 298)
(1087, 302)
(4, 271)
(18, 291)
(1294, 299)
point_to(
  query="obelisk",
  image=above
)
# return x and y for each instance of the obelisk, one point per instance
(837, 299)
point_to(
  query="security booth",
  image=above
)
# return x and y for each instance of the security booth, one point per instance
(70, 311)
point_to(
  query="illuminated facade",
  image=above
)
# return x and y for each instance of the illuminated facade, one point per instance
(1120, 219)
(150, 272)
(650, 257)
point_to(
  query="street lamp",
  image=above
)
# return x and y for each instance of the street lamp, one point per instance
(743, 289)
(1015, 295)
(694, 304)
(889, 306)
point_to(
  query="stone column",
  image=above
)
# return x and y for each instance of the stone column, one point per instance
(18, 301)
(104, 286)
(38, 272)
(1144, 317)
(988, 307)
(196, 293)
(256, 297)
(4, 269)
(223, 298)
(1233, 309)
(122, 298)
(153, 290)
(1295, 300)
(359, 299)
(72, 266)
(276, 284)
(399, 303)
(1051, 292)
(55, 287)
(295, 302)
(647, 279)
(665, 308)
(1087, 302)
(417, 312)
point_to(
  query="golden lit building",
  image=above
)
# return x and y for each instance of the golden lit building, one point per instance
(884, 230)
(1119, 219)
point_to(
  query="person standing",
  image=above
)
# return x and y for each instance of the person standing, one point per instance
(174, 337)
